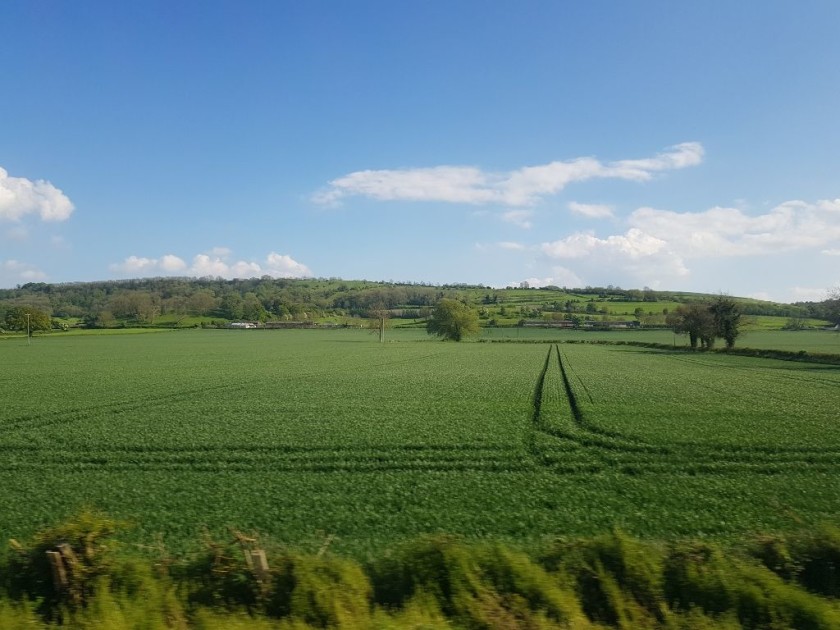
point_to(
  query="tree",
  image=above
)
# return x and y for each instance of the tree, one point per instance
(696, 320)
(140, 306)
(727, 316)
(27, 318)
(252, 308)
(704, 322)
(231, 307)
(202, 302)
(453, 320)
(833, 306)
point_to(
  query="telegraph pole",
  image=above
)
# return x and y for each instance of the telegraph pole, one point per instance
(28, 336)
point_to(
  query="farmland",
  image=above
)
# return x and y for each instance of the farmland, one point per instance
(303, 435)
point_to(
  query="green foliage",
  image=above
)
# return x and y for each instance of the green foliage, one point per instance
(618, 578)
(697, 321)
(704, 322)
(25, 318)
(832, 306)
(139, 307)
(72, 574)
(478, 587)
(63, 563)
(703, 576)
(19, 615)
(727, 317)
(818, 560)
(795, 323)
(452, 320)
(611, 581)
(159, 301)
(323, 591)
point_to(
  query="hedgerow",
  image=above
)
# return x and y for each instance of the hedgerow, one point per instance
(608, 581)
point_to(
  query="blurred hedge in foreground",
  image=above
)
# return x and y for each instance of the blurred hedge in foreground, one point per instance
(78, 575)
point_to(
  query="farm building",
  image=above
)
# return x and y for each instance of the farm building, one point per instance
(243, 325)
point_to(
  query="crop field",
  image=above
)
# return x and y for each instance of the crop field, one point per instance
(813, 341)
(309, 435)
(678, 412)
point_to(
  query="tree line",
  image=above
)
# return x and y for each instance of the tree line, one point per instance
(103, 304)
(144, 301)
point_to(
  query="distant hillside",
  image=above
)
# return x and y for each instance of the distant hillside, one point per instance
(191, 301)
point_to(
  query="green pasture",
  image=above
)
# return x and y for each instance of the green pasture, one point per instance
(304, 435)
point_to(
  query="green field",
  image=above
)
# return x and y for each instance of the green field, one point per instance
(815, 341)
(305, 434)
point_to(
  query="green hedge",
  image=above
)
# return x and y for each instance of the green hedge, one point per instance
(78, 575)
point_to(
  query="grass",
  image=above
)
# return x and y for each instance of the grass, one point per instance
(309, 436)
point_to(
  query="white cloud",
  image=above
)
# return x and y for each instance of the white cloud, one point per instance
(20, 197)
(790, 226)
(283, 266)
(646, 259)
(592, 211)
(207, 265)
(511, 245)
(13, 271)
(660, 245)
(521, 187)
(214, 263)
(680, 156)
(520, 218)
(633, 244)
(560, 277)
(136, 264)
(831, 252)
(172, 263)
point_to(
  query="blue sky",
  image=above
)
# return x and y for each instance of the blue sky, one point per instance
(691, 146)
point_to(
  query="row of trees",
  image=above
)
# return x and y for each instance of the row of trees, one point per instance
(704, 322)
(257, 299)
